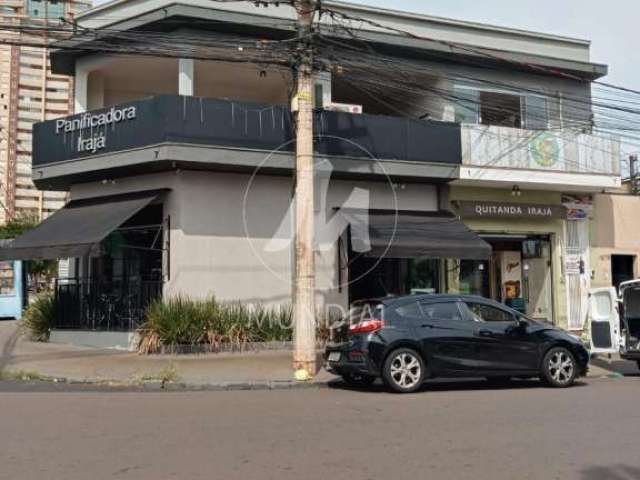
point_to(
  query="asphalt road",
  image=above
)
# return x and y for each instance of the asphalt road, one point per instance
(450, 431)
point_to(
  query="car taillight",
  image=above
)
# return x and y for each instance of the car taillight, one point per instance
(367, 326)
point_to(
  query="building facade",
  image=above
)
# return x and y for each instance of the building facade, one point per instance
(465, 174)
(614, 236)
(29, 92)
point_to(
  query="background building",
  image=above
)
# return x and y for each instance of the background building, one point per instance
(29, 93)
(614, 236)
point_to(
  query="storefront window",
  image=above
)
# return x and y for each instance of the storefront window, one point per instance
(7, 279)
(133, 252)
(375, 277)
(468, 277)
(422, 275)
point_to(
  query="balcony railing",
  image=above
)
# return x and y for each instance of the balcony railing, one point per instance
(239, 125)
(116, 304)
(540, 150)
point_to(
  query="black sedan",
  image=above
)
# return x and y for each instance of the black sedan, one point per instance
(409, 339)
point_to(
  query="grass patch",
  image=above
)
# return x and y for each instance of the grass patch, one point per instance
(176, 322)
(22, 376)
(180, 321)
(168, 374)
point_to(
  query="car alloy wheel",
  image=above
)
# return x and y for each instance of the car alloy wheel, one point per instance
(559, 367)
(404, 370)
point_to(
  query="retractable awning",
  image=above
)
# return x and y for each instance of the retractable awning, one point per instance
(78, 228)
(413, 235)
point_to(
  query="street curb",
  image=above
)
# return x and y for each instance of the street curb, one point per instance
(182, 386)
(253, 386)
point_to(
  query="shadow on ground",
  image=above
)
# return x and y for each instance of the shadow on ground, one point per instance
(8, 346)
(448, 385)
(616, 366)
(615, 472)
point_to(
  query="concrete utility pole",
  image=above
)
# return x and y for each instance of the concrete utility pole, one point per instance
(633, 174)
(304, 309)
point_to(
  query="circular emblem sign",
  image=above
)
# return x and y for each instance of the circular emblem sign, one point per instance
(545, 150)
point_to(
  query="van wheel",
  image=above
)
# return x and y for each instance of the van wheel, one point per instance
(559, 368)
(404, 370)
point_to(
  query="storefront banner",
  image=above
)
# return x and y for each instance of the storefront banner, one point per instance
(480, 209)
(579, 207)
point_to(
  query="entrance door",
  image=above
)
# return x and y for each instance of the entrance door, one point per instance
(604, 320)
(622, 269)
(538, 282)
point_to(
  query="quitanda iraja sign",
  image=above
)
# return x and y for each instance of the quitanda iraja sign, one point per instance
(91, 123)
(510, 210)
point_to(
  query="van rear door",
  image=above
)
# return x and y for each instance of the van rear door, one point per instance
(604, 320)
(630, 293)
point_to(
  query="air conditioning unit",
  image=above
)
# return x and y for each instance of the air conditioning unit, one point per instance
(344, 108)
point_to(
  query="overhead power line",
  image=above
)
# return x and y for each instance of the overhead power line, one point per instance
(469, 49)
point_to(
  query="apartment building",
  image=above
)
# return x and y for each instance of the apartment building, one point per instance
(29, 92)
(480, 159)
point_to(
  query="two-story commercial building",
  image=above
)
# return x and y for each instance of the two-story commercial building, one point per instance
(459, 159)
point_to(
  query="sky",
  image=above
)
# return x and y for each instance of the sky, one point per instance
(610, 25)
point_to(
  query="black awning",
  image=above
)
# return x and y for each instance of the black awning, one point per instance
(413, 235)
(78, 229)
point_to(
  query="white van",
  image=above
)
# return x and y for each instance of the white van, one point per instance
(615, 321)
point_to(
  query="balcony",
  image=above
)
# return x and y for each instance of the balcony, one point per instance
(171, 131)
(552, 159)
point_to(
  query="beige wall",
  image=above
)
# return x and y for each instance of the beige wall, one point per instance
(210, 252)
(615, 231)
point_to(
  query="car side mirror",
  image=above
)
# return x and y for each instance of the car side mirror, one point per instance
(522, 323)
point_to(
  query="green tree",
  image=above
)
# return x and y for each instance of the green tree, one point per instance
(40, 271)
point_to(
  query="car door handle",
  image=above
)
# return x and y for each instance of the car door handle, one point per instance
(427, 325)
(485, 333)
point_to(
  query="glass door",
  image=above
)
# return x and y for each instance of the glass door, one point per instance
(538, 279)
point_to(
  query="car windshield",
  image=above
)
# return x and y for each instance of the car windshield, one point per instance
(532, 321)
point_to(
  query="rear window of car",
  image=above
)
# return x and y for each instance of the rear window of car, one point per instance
(365, 311)
(441, 311)
(409, 310)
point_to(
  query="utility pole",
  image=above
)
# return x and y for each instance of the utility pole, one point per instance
(43, 95)
(633, 174)
(304, 309)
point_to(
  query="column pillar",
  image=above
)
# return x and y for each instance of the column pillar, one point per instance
(322, 85)
(186, 77)
(81, 90)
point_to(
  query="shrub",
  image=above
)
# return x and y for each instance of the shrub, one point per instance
(39, 317)
(179, 321)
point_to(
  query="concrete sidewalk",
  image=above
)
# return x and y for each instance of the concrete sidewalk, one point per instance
(225, 370)
(270, 369)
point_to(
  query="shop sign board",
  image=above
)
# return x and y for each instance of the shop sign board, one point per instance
(481, 209)
(92, 127)
(573, 264)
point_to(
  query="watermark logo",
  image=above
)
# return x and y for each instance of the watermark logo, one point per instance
(342, 216)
